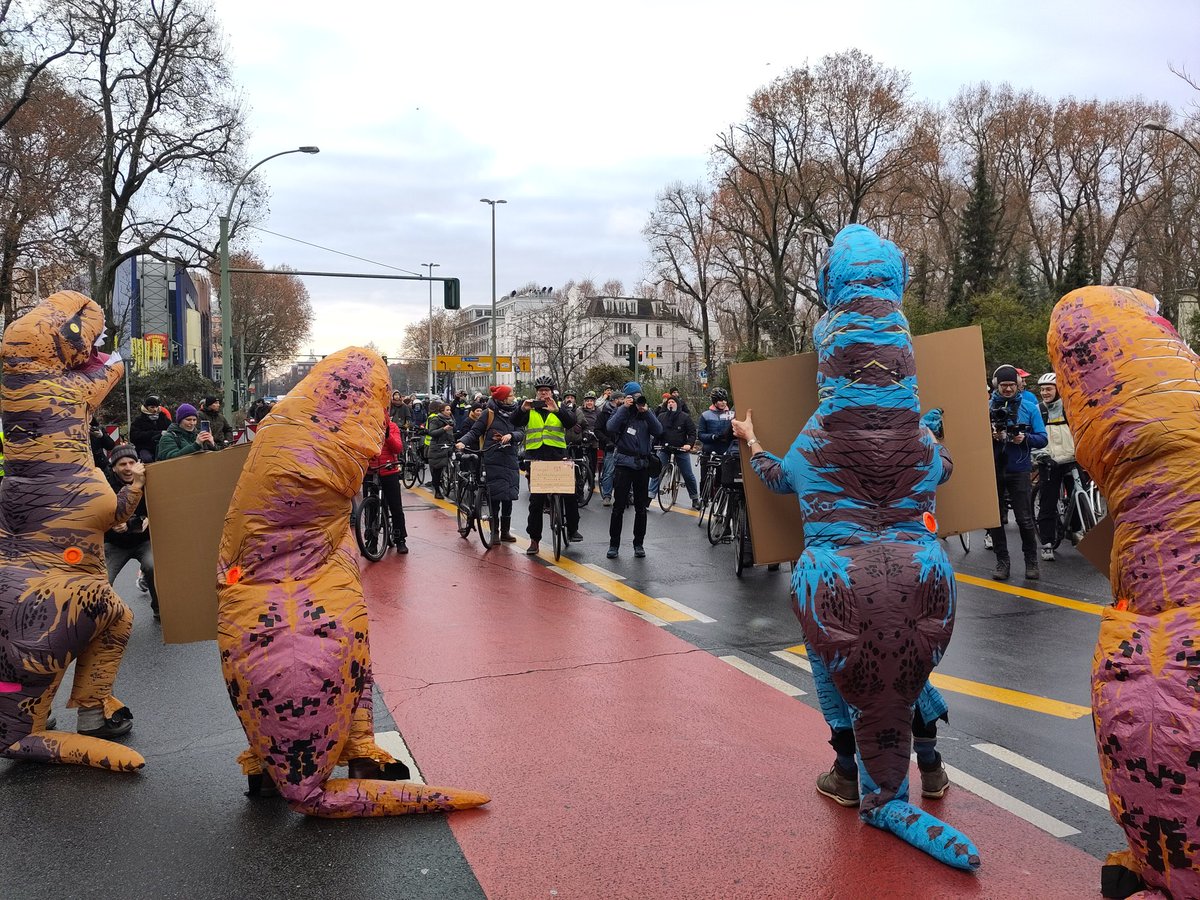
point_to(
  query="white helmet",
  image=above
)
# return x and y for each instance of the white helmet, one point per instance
(1048, 378)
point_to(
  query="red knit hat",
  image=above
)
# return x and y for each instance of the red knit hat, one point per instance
(500, 392)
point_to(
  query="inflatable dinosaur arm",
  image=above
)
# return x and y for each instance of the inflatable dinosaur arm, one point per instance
(128, 499)
(771, 471)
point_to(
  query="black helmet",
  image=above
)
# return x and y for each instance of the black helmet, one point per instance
(543, 381)
(719, 394)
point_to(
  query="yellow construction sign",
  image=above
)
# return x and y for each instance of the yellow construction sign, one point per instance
(481, 363)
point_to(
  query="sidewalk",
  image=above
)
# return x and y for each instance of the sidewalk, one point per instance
(624, 762)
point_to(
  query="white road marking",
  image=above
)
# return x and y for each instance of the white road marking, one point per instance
(394, 744)
(794, 660)
(1019, 808)
(675, 604)
(765, 677)
(570, 576)
(649, 617)
(607, 573)
(1037, 770)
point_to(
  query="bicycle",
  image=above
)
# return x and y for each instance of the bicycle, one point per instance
(1079, 505)
(668, 479)
(472, 500)
(711, 464)
(372, 521)
(584, 484)
(412, 470)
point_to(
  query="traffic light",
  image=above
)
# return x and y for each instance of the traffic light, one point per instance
(639, 356)
(450, 293)
(633, 355)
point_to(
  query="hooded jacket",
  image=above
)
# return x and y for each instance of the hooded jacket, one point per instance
(145, 430)
(175, 442)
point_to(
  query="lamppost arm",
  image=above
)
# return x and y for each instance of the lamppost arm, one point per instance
(1159, 126)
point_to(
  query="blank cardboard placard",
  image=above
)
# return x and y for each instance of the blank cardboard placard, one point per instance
(551, 476)
(1097, 546)
(187, 499)
(951, 374)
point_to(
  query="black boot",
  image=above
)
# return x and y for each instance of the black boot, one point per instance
(260, 785)
(506, 534)
(1002, 570)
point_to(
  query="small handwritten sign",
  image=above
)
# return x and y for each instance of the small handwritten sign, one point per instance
(551, 476)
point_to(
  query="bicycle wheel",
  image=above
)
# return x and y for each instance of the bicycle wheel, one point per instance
(716, 516)
(557, 524)
(370, 529)
(408, 474)
(741, 540)
(668, 486)
(583, 483)
(483, 518)
(706, 499)
(465, 510)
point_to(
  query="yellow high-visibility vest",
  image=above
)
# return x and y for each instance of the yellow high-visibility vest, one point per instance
(547, 430)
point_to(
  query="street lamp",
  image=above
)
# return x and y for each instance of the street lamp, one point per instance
(492, 204)
(431, 267)
(226, 291)
(1159, 126)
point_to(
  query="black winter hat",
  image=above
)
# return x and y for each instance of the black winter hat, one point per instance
(1005, 373)
(121, 452)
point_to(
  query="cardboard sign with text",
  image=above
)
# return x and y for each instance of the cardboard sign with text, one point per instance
(187, 499)
(551, 476)
(951, 374)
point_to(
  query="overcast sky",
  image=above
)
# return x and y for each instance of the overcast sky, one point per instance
(578, 115)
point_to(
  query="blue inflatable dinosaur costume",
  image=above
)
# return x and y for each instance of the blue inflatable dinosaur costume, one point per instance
(874, 591)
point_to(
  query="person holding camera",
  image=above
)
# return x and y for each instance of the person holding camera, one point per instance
(187, 434)
(130, 539)
(218, 425)
(546, 423)
(1017, 430)
(633, 427)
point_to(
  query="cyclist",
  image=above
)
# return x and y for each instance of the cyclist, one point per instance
(495, 433)
(679, 434)
(716, 431)
(587, 423)
(387, 466)
(546, 425)
(1058, 459)
(635, 428)
(439, 435)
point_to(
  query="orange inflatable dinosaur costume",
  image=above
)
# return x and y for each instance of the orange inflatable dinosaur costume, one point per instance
(56, 606)
(292, 624)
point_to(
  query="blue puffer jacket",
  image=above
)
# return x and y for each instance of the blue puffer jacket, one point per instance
(633, 449)
(716, 430)
(1023, 408)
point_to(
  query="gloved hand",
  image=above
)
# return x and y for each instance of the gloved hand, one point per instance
(933, 421)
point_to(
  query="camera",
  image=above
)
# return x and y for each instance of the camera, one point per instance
(1004, 421)
(639, 400)
(538, 404)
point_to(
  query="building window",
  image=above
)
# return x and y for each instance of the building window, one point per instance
(658, 328)
(624, 328)
(660, 351)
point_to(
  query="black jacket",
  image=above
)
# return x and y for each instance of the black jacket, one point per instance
(678, 428)
(566, 415)
(145, 431)
(503, 468)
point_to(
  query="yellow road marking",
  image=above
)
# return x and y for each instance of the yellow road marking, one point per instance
(586, 573)
(1040, 596)
(1006, 696)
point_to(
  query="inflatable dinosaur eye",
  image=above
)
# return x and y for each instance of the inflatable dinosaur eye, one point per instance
(234, 575)
(75, 327)
(72, 556)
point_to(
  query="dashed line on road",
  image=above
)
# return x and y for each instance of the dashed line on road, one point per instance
(694, 613)
(1083, 606)
(1006, 696)
(1008, 802)
(765, 677)
(1037, 770)
(393, 743)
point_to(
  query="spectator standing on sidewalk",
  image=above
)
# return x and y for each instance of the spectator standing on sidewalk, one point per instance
(147, 427)
(716, 428)
(222, 431)
(182, 438)
(635, 428)
(130, 539)
(587, 426)
(439, 438)
(608, 442)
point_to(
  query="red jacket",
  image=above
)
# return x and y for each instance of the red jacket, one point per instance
(388, 460)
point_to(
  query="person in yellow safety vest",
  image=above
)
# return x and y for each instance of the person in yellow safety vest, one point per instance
(545, 424)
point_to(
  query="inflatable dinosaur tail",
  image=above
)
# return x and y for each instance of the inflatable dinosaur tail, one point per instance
(69, 748)
(925, 832)
(345, 798)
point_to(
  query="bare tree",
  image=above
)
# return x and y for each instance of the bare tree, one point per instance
(30, 43)
(272, 316)
(155, 73)
(445, 336)
(562, 337)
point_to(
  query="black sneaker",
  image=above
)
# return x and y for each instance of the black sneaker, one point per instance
(402, 548)
(576, 537)
(533, 548)
(639, 551)
(612, 552)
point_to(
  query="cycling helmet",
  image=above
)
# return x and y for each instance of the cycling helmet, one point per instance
(543, 381)
(719, 394)
(1048, 378)
(590, 395)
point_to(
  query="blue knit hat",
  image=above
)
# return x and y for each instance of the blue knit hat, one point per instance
(185, 410)
(631, 387)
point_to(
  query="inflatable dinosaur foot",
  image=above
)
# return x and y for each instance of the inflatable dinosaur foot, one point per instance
(346, 798)
(68, 748)
(925, 832)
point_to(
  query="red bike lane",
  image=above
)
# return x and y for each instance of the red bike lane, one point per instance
(623, 761)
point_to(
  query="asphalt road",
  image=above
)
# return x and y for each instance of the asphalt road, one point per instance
(1020, 664)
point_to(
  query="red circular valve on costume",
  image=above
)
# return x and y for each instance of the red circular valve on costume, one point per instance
(72, 555)
(1122, 604)
(930, 522)
(234, 575)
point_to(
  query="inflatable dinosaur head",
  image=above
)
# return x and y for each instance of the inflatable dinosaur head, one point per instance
(61, 333)
(860, 263)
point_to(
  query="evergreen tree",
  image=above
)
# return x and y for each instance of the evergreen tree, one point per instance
(1028, 286)
(976, 268)
(1078, 272)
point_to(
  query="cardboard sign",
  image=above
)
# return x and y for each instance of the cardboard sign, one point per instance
(951, 374)
(187, 499)
(1097, 545)
(551, 476)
